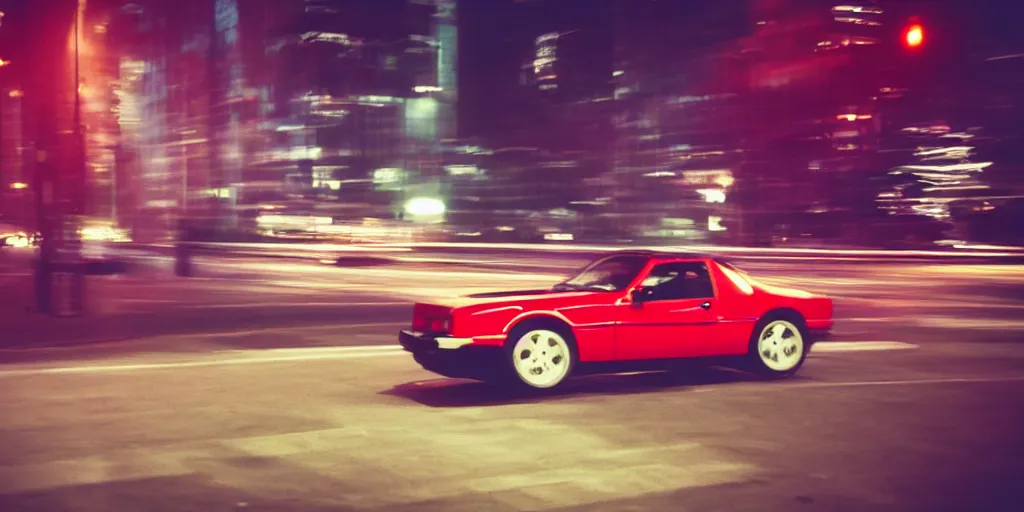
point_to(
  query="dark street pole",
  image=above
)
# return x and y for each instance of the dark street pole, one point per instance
(58, 180)
(41, 123)
(78, 82)
(76, 272)
(6, 198)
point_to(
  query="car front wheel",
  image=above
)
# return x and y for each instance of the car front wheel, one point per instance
(778, 347)
(541, 357)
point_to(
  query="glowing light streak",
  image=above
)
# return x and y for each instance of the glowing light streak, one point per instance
(857, 8)
(957, 187)
(857, 21)
(974, 166)
(938, 151)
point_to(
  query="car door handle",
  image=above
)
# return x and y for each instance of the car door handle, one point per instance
(705, 306)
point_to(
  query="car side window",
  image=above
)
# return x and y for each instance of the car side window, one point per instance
(677, 281)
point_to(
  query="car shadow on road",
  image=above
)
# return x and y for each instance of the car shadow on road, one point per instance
(443, 392)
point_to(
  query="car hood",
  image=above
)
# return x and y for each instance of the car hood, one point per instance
(780, 291)
(517, 297)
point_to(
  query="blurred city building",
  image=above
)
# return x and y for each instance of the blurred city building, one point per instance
(541, 106)
(326, 106)
(15, 198)
(736, 121)
(757, 121)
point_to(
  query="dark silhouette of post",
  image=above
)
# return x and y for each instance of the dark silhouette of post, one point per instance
(183, 249)
(51, 106)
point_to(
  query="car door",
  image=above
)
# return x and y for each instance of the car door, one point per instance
(671, 314)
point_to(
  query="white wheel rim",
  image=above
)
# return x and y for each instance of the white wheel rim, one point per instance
(541, 358)
(780, 346)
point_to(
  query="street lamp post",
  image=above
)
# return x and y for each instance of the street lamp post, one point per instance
(3, 99)
(73, 222)
(60, 182)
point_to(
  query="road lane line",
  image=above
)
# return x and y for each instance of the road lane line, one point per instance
(338, 327)
(147, 301)
(350, 352)
(319, 329)
(15, 274)
(71, 370)
(859, 346)
(870, 319)
(317, 350)
(295, 304)
(946, 322)
(965, 380)
(924, 303)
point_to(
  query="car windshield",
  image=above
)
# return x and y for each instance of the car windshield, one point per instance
(609, 274)
(740, 277)
(730, 265)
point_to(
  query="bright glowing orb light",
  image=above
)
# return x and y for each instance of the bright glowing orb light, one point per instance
(424, 206)
(914, 36)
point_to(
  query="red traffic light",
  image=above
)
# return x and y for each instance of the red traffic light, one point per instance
(914, 36)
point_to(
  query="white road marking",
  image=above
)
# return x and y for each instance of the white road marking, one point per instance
(811, 253)
(294, 304)
(198, 364)
(341, 328)
(148, 301)
(15, 274)
(351, 352)
(941, 322)
(924, 303)
(450, 275)
(859, 346)
(870, 319)
(318, 350)
(964, 380)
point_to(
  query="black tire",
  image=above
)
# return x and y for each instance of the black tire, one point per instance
(511, 374)
(793, 324)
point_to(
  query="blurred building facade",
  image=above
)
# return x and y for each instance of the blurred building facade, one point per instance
(747, 121)
(15, 195)
(291, 104)
(752, 121)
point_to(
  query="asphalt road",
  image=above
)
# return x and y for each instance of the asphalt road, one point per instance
(290, 395)
(932, 427)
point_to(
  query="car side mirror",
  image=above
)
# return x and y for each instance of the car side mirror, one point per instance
(638, 296)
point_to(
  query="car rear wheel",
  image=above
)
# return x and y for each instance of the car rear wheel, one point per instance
(541, 357)
(778, 347)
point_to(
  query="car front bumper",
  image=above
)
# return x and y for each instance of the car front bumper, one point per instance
(451, 357)
(414, 341)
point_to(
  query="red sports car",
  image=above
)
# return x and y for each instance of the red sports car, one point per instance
(630, 309)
